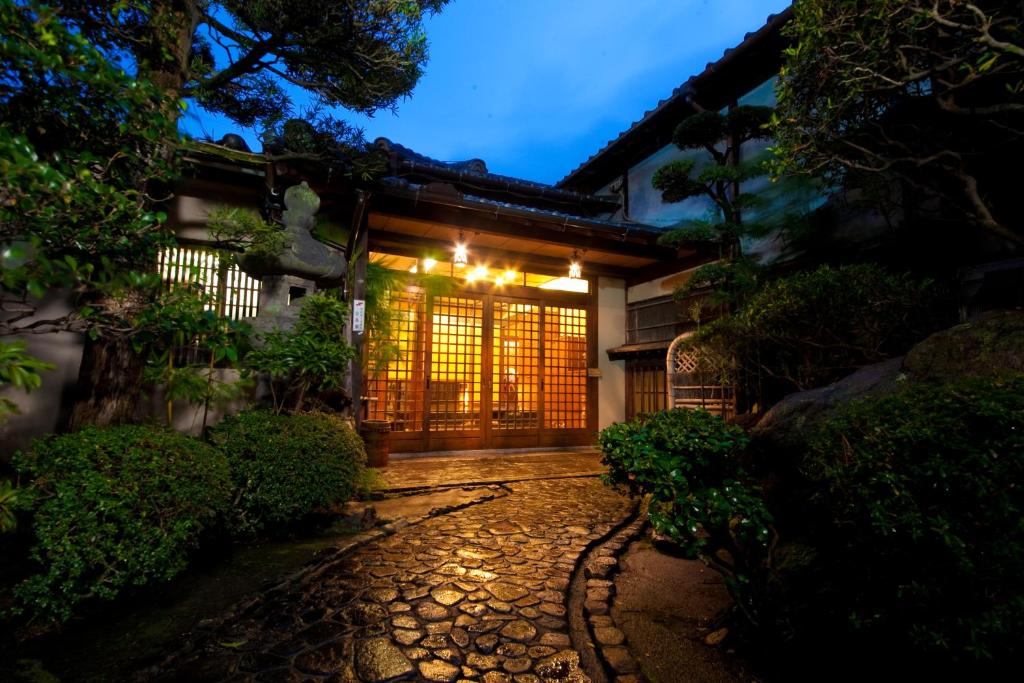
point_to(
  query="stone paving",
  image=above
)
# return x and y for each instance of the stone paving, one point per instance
(416, 472)
(478, 594)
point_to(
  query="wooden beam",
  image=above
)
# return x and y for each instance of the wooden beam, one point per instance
(402, 244)
(542, 228)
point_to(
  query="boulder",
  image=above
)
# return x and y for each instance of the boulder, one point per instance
(989, 345)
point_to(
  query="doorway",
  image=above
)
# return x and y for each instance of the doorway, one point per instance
(487, 370)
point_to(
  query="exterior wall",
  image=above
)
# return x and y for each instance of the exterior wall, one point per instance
(645, 204)
(43, 411)
(611, 332)
(658, 287)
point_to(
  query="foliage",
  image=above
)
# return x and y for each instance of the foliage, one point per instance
(90, 96)
(246, 231)
(918, 96)
(690, 462)
(115, 507)
(10, 497)
(812, 328)
(310, 360)
(381, 285)
(918, 515)
(737, 209)
(286, 466)
(74, 214)
(18, 370)
(186, 317)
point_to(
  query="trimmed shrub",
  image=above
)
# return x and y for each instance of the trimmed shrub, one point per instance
(285, 467)
(702, 497)
(810, 329)
(115, 507)
(920, 497)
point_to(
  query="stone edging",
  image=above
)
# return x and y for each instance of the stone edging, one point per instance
(601, 645)
(594, 590)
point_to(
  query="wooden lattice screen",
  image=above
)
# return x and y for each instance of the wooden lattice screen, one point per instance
(691, 384)
(236, 294)
(565, 368)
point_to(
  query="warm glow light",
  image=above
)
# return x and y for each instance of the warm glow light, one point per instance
(428, 263)
(480, 271)
(414, 269)
(566, 284)
(461, 257)
(575, 267)
(510, 275)
(470, 277)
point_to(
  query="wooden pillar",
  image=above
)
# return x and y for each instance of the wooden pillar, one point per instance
(359, 247)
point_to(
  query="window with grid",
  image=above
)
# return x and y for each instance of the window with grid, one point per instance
(236, 294)
(516, 360)
(455, 363)
(565, 368)
(396, 390)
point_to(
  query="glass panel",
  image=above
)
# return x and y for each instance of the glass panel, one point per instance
(456, 344)
(565, 368)
(516, 361)
(396, 391)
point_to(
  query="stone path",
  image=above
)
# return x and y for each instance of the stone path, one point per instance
(418, 472)
(478, 594)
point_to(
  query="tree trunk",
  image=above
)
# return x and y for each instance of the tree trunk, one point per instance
(110, 376)
(108, 383)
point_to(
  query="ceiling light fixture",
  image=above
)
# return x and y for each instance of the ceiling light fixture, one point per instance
(428, 263)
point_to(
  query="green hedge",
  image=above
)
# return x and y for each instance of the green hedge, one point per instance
(115, 507)
(920, 496)
(286, 466)
(690, 462)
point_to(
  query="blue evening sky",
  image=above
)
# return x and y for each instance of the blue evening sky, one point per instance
(534, 87)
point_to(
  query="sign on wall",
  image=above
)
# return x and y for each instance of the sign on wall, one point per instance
(358, 315)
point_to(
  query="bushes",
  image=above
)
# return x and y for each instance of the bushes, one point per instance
(920, 499)
(115, 507)
(285, 467)
(689, 461)
(810, 329)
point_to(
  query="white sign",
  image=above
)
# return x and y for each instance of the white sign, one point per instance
(358, 315)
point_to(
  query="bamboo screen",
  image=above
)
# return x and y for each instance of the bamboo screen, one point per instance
(565, 368)
(237, 294)
(516, 366)
(396, 390)
(455, 364)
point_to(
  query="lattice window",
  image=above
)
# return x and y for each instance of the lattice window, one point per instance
(455, 364)
(396, 391)
(565, 368)
(236, 294)
(516, 366)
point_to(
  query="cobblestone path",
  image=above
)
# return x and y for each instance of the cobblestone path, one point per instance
(478, 594)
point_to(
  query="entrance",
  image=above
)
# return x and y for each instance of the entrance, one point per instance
(484, 370)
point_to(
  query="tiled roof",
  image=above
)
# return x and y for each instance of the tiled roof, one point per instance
(773, 22)
(473, 174)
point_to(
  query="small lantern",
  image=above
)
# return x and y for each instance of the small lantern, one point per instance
(575, 267)
(461, 257)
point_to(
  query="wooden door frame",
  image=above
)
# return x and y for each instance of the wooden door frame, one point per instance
(486, 436)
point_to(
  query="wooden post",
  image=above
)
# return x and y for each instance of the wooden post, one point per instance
(359, 245)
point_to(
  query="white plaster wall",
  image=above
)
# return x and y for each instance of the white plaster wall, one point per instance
(611, 332)
(43, 410)
(661, 286)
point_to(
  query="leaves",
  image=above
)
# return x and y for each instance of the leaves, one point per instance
(690, 463)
